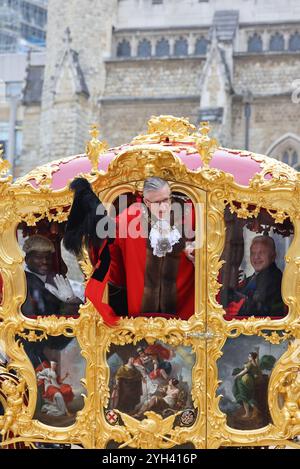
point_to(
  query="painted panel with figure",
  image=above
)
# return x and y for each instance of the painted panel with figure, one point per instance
(155, 377)
(59, 368)
(244, 370)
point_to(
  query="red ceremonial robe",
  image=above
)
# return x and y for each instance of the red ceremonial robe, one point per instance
(128, 265)
(95, 286)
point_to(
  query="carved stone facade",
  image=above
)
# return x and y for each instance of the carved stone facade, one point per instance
(116, 63)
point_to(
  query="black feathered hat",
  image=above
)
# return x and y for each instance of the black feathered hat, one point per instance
(83, 218)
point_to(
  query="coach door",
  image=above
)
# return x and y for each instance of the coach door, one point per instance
(151, 378)
(252, 346)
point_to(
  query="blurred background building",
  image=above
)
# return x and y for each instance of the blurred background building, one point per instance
(22, 24)
(235, 63)
(22, 31)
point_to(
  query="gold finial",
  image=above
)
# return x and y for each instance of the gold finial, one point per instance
(4, 164)
(94, 132)
(205, 145)
(95, 148)
(166, 129)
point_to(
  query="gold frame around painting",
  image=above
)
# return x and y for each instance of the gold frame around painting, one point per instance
(206, 332)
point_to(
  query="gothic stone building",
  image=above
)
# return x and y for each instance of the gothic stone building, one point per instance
(117, 62)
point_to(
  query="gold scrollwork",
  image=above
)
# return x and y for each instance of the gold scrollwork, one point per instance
(275, 188)
(275, 337)
(284, 391)
(153, 431)
(166, 129)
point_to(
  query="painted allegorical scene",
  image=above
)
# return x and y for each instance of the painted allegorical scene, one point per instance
(244, 370)
(59, 368)
(151, 377)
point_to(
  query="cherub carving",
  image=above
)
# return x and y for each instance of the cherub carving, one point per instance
(14, 399)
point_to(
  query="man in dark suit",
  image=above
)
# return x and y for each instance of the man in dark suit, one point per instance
(260, 294)
(47, 293)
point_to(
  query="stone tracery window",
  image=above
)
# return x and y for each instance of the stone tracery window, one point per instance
(287, 150)
(277, 42)
(294, 42)
(255, 43)
(162, 48)
(201, 46)
(290, 156)
(144, 48)
(123, 49)
(181, 47)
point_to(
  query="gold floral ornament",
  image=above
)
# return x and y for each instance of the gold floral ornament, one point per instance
(275, 338)
(150, 432)
(206, 145)
(166, 129)
(95, 148)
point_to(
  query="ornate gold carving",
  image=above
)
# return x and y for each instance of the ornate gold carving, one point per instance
(94, 148)
(290, 389)
(205, 145)
(274, 338)
(42, 176)
(14, 393)
(149, 433)
(284, 391)
(32, 336)
(213, 189)
(166, 129)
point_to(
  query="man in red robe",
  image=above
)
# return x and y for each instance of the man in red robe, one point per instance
(150, 257)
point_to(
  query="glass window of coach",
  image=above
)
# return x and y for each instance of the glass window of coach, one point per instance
(254, 262)
(54, 281)
(144, 281)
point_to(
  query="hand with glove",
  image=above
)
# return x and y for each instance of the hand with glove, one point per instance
(62, 289)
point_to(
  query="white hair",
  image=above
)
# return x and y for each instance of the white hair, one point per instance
(153, 184)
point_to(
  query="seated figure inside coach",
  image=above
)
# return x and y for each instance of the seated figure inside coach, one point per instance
(260, 293)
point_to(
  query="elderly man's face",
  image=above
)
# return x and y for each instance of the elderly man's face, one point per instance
(39, 262)
(159, 202)
(261, 256)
